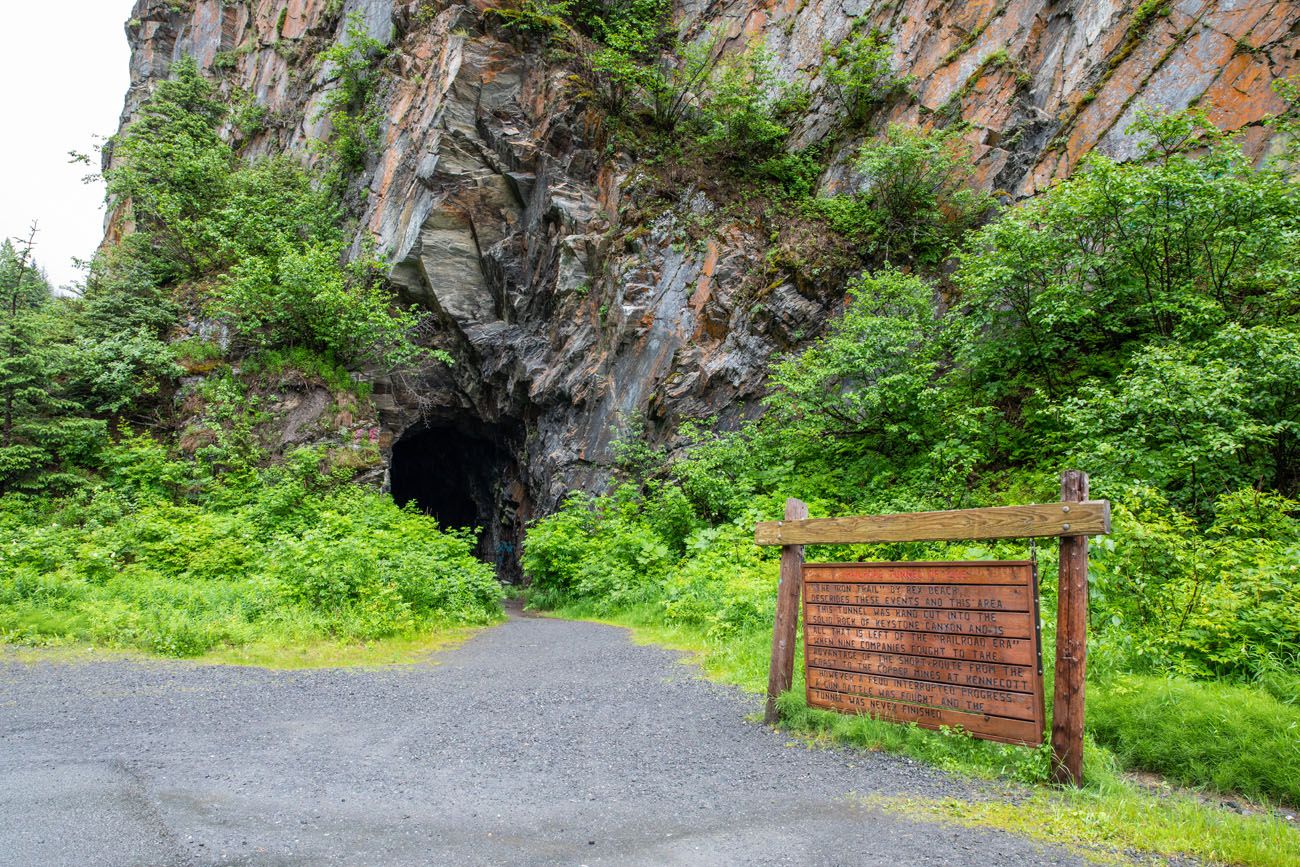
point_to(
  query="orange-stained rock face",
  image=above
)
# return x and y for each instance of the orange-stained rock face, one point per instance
(500, 210)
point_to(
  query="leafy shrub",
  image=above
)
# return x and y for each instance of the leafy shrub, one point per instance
(1220, 602)
(917, 182)
(307, 298)
(860, 73)
(1193, 419)
(535, 16)
(743, 105)
(795, 173)
(351, 64)
(600, 551)
(916, 204)
(873, 374)
(144, 561)
(386, 567)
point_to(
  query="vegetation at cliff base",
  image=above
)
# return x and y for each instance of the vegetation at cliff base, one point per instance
(147, 497)
(164, 556)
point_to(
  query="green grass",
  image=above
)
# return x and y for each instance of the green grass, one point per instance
(402, 650)
(1111, 820)
(277, 654)
(1232, 738)
(1107, 818)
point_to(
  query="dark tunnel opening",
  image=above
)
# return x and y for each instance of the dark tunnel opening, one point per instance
(466, 475)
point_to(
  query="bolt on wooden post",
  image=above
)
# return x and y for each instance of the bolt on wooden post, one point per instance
(1071, 641)
(780, 674)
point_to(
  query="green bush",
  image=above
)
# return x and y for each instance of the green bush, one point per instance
(860, 73)
(1232, 738)
(284, 555)
(917, 204)
(741, 114)
(1224, 601)
(386, 567)
(268, 230)
(534, 16)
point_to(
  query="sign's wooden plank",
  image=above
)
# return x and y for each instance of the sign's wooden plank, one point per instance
(988, 727)
(1010, 572)
(969, 699)
(943, 643)
(988, 675)
(949, 621)
(973, 648)
(1091, 518)
(989, 597)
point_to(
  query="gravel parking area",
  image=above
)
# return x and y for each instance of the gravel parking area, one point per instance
(536, 742)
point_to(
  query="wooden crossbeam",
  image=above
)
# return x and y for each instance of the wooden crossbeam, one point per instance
(1089, 518)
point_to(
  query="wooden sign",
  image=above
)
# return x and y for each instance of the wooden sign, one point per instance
(940, 644)
(937, 644)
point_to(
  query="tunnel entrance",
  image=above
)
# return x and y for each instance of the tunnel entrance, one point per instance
(466, 475)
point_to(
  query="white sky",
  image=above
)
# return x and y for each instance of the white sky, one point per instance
(64, 73)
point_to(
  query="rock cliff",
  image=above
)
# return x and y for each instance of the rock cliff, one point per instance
(571, 310)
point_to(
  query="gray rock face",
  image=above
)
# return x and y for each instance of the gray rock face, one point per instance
(493, 197)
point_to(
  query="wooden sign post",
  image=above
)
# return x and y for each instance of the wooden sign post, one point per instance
(940, 644)
(1071, 643)
(780, 674)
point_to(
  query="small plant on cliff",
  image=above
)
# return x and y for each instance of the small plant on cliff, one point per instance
(534, 16)
(917, 200)
(744, 105)
(919, 187)
(632, 72)
(351, 64)
(860, 74)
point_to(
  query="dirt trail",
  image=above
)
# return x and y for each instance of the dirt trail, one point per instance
(537, 742)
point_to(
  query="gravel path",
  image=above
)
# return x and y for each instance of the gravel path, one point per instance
(538, 742)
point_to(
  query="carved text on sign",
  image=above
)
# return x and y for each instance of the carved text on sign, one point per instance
(937, 644)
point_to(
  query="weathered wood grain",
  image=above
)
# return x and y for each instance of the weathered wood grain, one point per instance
(780, 674)
(973, 648)
(949, 596)
(998, 624)
(968, 699)
(1000, 522)
(992, 728)
(1071, 645)
(987, 675)
(1009, 572)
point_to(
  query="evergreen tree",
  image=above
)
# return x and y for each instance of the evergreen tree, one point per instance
(43, 430)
